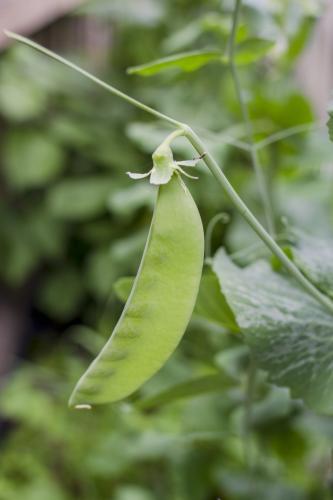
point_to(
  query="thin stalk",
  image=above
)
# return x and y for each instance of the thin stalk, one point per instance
(224, 218)
(93, 78)
(262, 185)
(224, 138)
(176, 133)
(253, 222)
(284, 134)
(212, 166)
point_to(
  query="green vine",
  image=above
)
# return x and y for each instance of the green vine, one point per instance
(211, 164)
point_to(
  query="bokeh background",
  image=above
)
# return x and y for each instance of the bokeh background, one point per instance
(72, 224)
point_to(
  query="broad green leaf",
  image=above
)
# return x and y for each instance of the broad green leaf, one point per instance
(80, 198)
(212, 305)
(252, 50)
(314, 256)
(289, 333)
(185, 61)
(31, 159)
(190, 388)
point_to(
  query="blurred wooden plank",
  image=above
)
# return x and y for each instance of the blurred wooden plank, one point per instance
(314, 70)
(26, 17)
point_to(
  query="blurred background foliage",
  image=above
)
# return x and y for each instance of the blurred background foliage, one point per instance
(72, 224)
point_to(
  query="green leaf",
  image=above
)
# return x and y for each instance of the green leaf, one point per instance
(20, 98)
(31, 159)
(100, 272)
(123, 286)
(289, 333)
(212, 305)
(246, 52)
(80, 198)
(314, 256)
(126, 201)
(252, 50)
(190, 388)
(330, 122)
(61, 293)
(185, 61)
(276, 405)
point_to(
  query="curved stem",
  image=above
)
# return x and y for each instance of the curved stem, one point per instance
(253, 222)
(173, 135)
(223, 217)
(212, 166)
(93, 78)
(262, 185)
(284, 134)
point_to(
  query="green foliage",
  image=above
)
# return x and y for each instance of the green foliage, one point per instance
(247, 52)
(287, 330)
(31, 159)
(60, 294)
(79, 198)
(190, 388)
(72, 224)
(212, 305)
(315, 257)
(252, 50)
(187, 61)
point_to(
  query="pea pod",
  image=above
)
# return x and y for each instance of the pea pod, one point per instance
(159, 306)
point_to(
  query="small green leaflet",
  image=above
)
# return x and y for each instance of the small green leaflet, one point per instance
(122, 287)
(289, 333)
(190, 388)
(185, 61)
(211, 304)
(252, 50)
(246, 52)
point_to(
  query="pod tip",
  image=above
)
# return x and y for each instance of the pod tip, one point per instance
(83, 407)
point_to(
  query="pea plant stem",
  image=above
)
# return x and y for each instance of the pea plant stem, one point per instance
(289, 132)
(253, 221)
(262, 184)
(186, 130)
(93, 78)
(223, 217)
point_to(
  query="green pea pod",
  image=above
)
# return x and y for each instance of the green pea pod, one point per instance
(159, 306)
